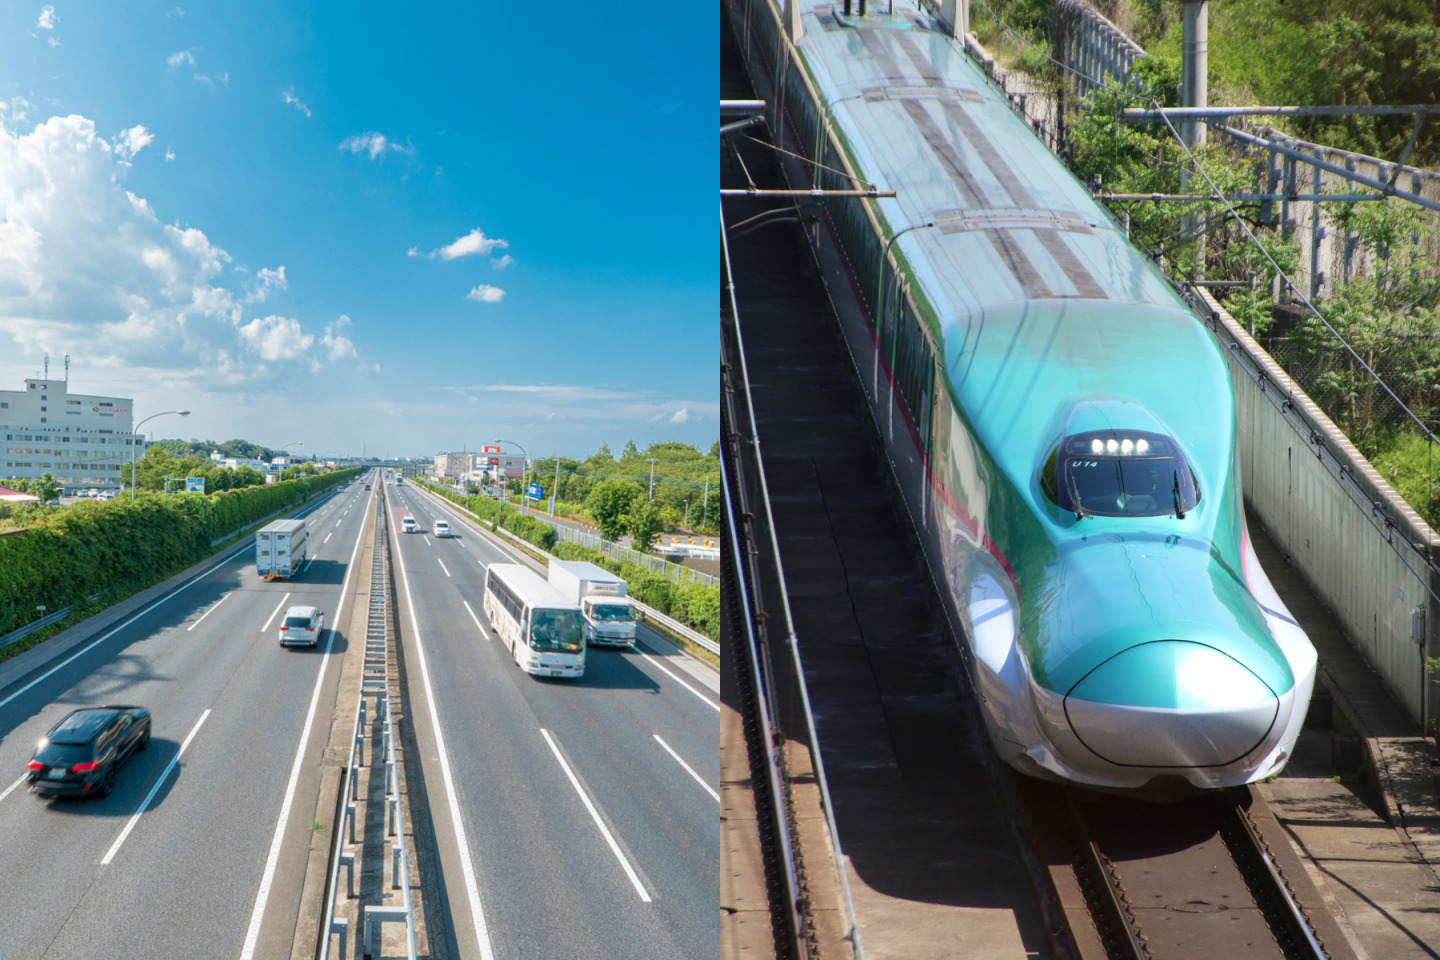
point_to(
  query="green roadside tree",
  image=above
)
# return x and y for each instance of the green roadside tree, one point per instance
(609, 503)
(44, 487)
(644, 522)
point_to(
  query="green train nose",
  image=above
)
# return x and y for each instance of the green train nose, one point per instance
(1171, 703)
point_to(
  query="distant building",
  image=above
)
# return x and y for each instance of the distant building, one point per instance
(79, 439)
(454, 466)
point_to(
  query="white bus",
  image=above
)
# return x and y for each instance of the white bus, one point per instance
(544, 632)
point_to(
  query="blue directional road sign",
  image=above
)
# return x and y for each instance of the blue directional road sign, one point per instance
(194, 484)
(534, 492)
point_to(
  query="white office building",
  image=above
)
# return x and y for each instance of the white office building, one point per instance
(81, 440)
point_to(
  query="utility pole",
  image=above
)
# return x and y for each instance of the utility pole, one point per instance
(652, 461)
(555, 489)
(705, 508)
(1194, 67)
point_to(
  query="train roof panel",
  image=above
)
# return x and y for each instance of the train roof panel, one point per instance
(922, 120)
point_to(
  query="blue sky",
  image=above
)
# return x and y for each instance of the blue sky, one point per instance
(411, 227)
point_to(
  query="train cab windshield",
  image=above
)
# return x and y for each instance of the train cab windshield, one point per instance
(1118, 473)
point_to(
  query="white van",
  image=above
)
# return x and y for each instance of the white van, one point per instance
(408, 525)
(441, 528)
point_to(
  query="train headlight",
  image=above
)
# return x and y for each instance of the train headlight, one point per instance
(1208, 678)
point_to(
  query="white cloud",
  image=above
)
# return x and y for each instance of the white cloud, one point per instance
(473, 243)
(53, 41)
(335, 343)
(486, 294)
(294, 101)
(130, 142)
(681, 416)
(265, 281)
(169, 154)
(88, 267)
(372, 143)
(17, 108)
(503, 262)
(276, 338)
(47, 18)
(558, 391)
(201, 78)
(180, 57)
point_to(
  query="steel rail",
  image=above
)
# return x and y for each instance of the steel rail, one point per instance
(1295, 914)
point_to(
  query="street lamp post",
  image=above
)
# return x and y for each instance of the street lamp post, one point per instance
(133, 444)
(652, 461)
(524, 472)
(687, 515)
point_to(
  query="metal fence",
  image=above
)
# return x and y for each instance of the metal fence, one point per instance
(673, 571)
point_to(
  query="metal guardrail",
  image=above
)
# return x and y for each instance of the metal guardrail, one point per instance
(669, 623)
(374, 682)
(34, 625)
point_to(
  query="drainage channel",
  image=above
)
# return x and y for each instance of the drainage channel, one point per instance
(372, 851)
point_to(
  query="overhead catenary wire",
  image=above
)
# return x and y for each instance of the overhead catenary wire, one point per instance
(1279, 271)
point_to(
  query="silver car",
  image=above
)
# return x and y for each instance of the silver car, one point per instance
(301, 627)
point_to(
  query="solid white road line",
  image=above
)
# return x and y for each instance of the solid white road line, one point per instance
(442, 566)
(327, 538)
(273, 612)
(114, 847)
(479, 626)
(252, 936)
(595, 815)
(91, 646)
(207, 613)
(467, 866)
(688, 769)
(23, 777)
(708, 702)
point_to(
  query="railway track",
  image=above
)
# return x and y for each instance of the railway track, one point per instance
(1196, 879)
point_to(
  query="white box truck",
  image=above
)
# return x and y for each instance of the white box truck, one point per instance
(280, 549)
(609, 616)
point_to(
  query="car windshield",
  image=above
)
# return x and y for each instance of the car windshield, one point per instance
(297, 621)
(612, 612)
(557, 631)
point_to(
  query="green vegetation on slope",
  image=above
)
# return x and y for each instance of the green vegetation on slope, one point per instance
(63, 557)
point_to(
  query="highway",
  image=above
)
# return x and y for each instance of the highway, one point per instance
(574, 817)
(174, 862)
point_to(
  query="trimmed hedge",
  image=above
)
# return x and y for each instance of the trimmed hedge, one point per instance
(74, 553)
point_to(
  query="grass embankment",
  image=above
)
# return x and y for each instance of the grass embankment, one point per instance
(116, 549)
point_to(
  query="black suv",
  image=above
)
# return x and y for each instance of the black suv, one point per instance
(80, 754)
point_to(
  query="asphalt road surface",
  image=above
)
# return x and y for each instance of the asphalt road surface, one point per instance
(587, 809)
(182, 860)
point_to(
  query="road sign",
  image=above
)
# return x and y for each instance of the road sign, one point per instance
(534, 492)
(194, 484)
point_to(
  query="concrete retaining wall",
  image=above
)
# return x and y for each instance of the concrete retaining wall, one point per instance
(1355, 542)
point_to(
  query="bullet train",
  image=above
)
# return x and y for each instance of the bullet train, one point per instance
(1061, 424)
